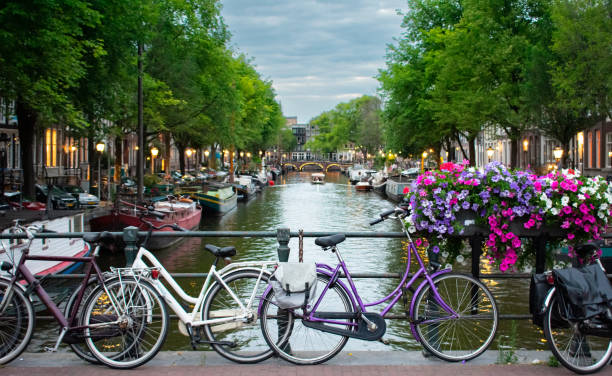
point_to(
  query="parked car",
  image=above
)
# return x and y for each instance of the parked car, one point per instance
(84, 200)
(59, 198)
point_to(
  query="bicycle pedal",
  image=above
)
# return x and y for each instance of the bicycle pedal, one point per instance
(49, 349)
(384, 341)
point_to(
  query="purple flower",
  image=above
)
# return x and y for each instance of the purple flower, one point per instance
(465, 205)
(435, 249)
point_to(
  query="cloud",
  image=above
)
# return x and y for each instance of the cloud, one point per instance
(317, 53)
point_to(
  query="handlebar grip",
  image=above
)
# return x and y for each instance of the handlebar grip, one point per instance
(178, 228)
(387, 213)
(376, 221)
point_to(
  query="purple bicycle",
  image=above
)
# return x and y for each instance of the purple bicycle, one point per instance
(454, 316)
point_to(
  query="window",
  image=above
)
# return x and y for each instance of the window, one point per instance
(51, 147)
(608, 150)
(598, 148)
(589, 150)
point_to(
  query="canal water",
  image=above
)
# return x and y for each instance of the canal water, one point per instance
(335, 206)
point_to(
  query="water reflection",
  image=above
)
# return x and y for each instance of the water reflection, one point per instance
(335, 206)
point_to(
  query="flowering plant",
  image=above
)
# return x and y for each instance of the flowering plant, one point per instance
(506, 203)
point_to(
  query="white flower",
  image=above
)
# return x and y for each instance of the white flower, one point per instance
(581, 197)
(603, 207)
(554, 211)
(448, 266)
(564, 200)
(549, 204)
(444, 254)
(460, 258)
(601, 215)
(411, 229)
(575, 204)
(583, 190)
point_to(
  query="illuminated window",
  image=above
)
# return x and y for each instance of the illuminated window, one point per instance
(590, 150)
(598, 148)
(51, 147)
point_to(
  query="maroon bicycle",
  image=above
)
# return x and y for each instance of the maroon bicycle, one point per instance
(114, 319)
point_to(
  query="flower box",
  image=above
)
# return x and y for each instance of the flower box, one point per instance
(467, 220)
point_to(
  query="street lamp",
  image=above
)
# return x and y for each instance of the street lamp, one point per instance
(525, 149)
(154, 152)
(423, 156)
(189, 153)
(558, 153)
(100, 148)
(490, 152)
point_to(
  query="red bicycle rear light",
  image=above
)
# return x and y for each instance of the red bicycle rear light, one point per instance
(155, 274)
(550, 279)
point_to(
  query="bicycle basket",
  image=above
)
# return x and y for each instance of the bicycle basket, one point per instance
(585, 292)
(294, 284)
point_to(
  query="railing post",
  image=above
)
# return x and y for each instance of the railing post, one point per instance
(283, 235)
(476, 244)
(130, 237)
(540, 248)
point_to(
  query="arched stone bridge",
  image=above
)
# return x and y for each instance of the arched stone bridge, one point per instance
(315, 165)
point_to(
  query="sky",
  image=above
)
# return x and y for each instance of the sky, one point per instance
(316, 53)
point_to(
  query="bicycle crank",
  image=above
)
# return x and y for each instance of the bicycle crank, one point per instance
(369, 328)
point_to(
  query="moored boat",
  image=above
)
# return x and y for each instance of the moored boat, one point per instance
(245, 188)
(11, 249)
(218, 198)
(363, 186)
(184, 212)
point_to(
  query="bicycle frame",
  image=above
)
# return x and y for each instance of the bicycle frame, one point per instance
(341, 270)
(192, 318)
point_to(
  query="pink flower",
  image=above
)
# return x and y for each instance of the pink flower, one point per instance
(567, 209)
(565, 224)
(428, 181)
(418, 242)
(538, 186)
(554, 184)
(583, 208)
(490, 243)
(570, 236)
(406, 190)
(516, 242)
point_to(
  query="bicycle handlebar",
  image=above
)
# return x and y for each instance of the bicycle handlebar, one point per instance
(384, 215)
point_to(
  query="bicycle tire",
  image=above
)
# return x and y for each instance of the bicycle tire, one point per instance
(578, 352)
(249, 344)
(16, 322)
(462, 293)
(291, 338)
(81, 349)
(145, 323)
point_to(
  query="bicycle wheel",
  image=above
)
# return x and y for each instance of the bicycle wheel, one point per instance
(455, 338)
(80, 348)
(291, 340)
(126, 323)
(249, 346)
(16, 321)
(577, 351)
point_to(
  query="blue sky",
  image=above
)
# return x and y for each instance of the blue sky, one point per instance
(316, 53)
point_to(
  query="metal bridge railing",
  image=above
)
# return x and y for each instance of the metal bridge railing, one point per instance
(131, 237)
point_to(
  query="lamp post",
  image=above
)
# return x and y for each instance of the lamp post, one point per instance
(189, 153)
(557, 153)
(423, 156)
(525, 149)
(490, 152)
(206, 154)
(100, 148)
(154, 152)
(580, 138)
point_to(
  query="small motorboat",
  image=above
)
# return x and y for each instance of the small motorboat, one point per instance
(317, 178)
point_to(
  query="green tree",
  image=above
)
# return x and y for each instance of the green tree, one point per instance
(42, 46)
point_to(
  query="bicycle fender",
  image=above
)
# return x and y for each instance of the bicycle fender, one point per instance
(416, 293)
(549, 296)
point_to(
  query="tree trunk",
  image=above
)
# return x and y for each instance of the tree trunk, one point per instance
(514, 148)
(231, 156)
(91, 155)
(181, 153)
(27, 117)
(167, 152)
(472, 145)
(118, 159)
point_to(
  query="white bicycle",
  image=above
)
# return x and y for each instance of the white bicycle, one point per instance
(226, 308)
